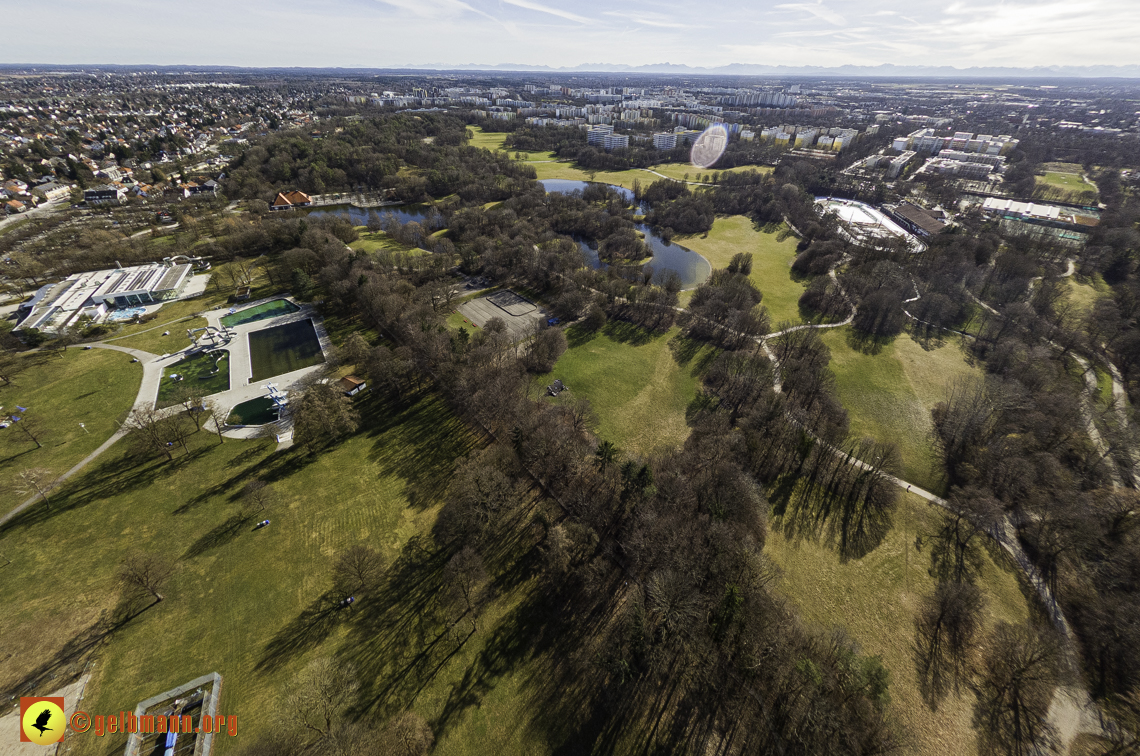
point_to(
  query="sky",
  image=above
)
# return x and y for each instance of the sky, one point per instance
(440, 33)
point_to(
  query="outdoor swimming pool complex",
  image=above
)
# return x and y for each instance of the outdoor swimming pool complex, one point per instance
(263, 311)
(126, 314)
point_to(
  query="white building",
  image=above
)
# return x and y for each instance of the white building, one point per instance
(665, 141)
(61, 305)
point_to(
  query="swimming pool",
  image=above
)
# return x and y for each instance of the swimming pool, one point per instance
(263, 311)
(127, 314)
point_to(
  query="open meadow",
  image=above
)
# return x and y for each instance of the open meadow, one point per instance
(889, 394)
(875, 599)
(95, 387)
(639, 384)
(771, 260)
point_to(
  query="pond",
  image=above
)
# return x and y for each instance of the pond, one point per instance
(691, 267)
(359, 216)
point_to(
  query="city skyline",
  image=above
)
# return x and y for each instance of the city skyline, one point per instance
(478, 33)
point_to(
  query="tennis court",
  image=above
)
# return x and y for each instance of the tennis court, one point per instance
(263, 311)
(282, 349)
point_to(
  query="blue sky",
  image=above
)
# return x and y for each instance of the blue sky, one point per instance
(382, 33)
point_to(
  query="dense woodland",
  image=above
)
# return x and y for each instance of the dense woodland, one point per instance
(654, 567)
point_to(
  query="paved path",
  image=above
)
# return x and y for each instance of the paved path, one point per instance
(10, 744)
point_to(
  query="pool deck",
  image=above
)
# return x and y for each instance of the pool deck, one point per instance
(242, 388)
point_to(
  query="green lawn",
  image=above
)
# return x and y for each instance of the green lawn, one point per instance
(635, 383)
(1083, 294)
(378, 241)
(889, 395)
(198, 375)
(1071, 183)
(95, 387)
(244, 603)
(678, 170)
(875, 598)
(154, 342)
(771, 261)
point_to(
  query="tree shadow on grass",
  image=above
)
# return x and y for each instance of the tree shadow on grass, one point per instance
(866, 343)
(307, 630)
(628, 333)
(418, 443)
(103, 479)
(577, 335)
(220, 535)
(67, 664)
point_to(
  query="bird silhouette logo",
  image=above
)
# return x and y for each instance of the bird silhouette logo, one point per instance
(42, 720)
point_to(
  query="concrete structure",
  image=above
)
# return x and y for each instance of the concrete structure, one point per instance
(91, 295)
(864, 224)
(917, 220)
(925, 140)
(896, 165)
(52, 191)
(665, 141)
(1035, 213)
(194, 699)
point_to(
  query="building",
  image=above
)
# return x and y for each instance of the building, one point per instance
(52, 191)
(351, 385)
(15, 206)
(1036, 213)
(895, 167)
(974, 171)
(290, 200)
(93, 294)
(603, 136)
(107, 193)
(665, 141)
(915, 219)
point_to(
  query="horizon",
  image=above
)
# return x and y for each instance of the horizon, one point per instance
(450, 34)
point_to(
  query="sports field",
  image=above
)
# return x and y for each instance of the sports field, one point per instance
(204, 373)
(283, 349)
(263, 311)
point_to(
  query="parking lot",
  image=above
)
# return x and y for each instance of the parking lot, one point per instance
(518, 313)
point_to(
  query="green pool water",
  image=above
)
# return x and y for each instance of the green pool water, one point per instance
(263, 311)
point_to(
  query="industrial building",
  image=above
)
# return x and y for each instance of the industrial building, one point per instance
(58, 306)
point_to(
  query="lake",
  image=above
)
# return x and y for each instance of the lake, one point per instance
(691, 267)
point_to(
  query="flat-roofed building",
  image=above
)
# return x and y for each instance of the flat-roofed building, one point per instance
(93, 294)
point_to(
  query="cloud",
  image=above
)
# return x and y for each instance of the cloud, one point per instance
(818, 9)
(650, 19)
(552, 11)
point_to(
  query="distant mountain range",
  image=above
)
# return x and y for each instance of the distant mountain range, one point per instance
(885, 71)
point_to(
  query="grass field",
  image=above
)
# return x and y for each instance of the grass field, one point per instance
(889, 395)
(197, 375)
(378, 241)
(242, 602)
(1071, 183)
(95, 387)
(154, 342)
(1083, 294)
(263, 311)
(875, 599)
(634, 382)
(678, 170)
(283, 349)
(771, 261)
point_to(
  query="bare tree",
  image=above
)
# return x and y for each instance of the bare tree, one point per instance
(408, 734)
(213, 413)
(35, 481)
(359, 568)
(946, 634)
(32, 427)
(465, 589)
(145, 572)
(154, 430)
(1019, 676)
(323, 415)
(11, 365)
(355, 351)
(256, 495)
(322, 694)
